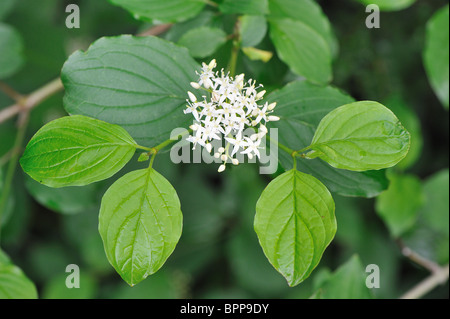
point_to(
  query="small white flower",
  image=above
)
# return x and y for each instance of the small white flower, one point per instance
(231, 108)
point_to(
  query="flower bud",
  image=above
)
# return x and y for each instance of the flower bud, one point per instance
(273, 118)
(192, 97)
(212, 64)
(195, 85)
(260, 94)
(272, 106)
(221, 168)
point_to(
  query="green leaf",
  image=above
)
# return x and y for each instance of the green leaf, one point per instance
(204, 18)
(250, 7)
(252, 30)
(5, 7)
(436, 54)
(308, 12)
(166, 11)
(144, 157)
(163, 285)
(360, 136)
(347, 282)
(140, 223)
(303, 49)
(301, 106)
(411, 122)
(436, 208)
(11, 51)
(76, 151)
(66, 200)
(430, 236)
(257, 54)
(295, 222)
(13, 282)
(56, 288)
(139, 83)
(203, 41)
(389, 5)
(399, 205)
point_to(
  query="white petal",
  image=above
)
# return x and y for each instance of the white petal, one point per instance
(192, 97)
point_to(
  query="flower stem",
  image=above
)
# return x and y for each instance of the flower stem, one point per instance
(288, 150)
(233, 60)
(235, 49)
(154, 150)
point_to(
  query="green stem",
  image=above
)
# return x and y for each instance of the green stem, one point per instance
(233, 59)
(235, 49)
(170, 141)
(150, 166)
(288, 150)
(23, 123)
(303, 150)
(140, 147)
(294, 159)
(156, 149)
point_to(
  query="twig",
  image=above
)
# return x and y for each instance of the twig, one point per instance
(419, 260)
(155, 30)
(29, 102)
(438, 277)
(9, 91)
(22, 127)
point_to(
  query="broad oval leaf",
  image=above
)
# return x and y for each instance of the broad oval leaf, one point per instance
(66, 200)
(11, 51)
(436, 54)
(347, 282)
(430, 234)
(14, 284)
(360, 136)
(203, 41)
(303, 49)
(76, 151)
(140, 223)
(139, 83)
(295, 222)
(166, 11)
(410, 120)
(252, 30)
(301, 106)
(310, 13)
(399, 205)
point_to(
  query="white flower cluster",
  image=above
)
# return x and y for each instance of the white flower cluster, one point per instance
(231, 108)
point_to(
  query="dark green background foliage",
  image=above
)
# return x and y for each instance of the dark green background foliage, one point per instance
(218, 255)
